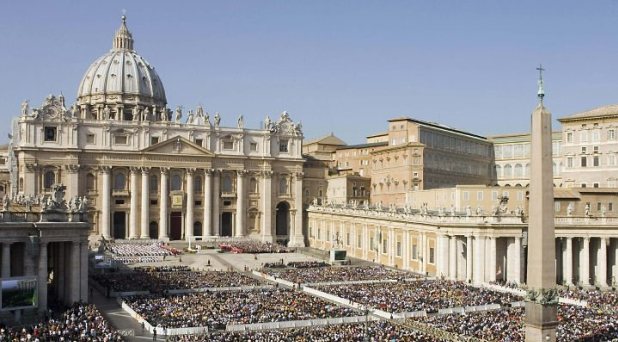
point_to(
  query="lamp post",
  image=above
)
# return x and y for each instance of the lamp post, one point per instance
(366, 323)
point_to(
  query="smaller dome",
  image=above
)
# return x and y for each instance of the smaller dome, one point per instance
(122, 76)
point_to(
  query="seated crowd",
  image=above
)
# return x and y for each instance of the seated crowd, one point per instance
(355, 332)
(81, 322)
(607, 300)
(157, 279)
(338, 274)
(428, 295)
(253, 246)
(138, 252)
(296, 264)
(218, 308)
(574, 324)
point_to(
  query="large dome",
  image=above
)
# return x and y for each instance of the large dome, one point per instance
(121, 79)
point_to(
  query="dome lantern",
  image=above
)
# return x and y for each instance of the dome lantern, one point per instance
(123, 38)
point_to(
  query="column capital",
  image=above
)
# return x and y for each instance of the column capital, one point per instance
(32, 167)
(299, 175)
(105, 169)
(209, 172)
(165, 170)
(145, 170)
(190, 170)
(586, 239)
(134, 170)
(242, 173)
(72, 168)
(267, 174)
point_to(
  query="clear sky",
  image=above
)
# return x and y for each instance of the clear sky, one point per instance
(338, 66)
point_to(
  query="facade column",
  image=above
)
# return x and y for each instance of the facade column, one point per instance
(267, 211)
(239, 230)
(442, 256)
(423, 250)
(42, 277)
(163, 214)
(133, 211)
(297, 239)
(584, 262)
(29, 181)
(452, 251)
(72, 181)
(189, 217)
(105, 228)
(207, 202)
(216, 215)
(479, 260)
(491, 250)
(83, 274)
(469, 258)
(75, 287)
(517, 260)
(406, 248)
(366, 242)
(6, 259)
(567, 262)
(615, 270)
(601, 272)
(145, 214)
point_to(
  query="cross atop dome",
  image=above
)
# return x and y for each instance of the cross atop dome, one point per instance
(123, 40)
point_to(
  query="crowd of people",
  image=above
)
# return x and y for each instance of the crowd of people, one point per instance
(338, 274)
(427, 295)
(216, 309)
(296, 264)
(81, 322)
(129, 253)
(606, 300)
(157, 279)
(354, 332)
(253, 246)
(575, 323)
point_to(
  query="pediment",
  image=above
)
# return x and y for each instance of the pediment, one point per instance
(177, 146)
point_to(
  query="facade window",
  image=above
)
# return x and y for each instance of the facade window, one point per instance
(479, 195)
(596, 135)
(399, 248)
(21, 184)
(253, 147)
(414, 252)
(599, 206)
(583, 185)
(583, 136)
(199, 142)
(494, 195)
(569, 137)
(50, 133)
(253, 187)
(610, 206)
(557, 206)
(595, 161)
(154, 184)
(431, 255)
(176, 182)
(120, 181)
(569, 162)
(49, 179)
(583, 161)
(154, 140)
(283, 145)
(226, 185)
(91, 182)
(595, 185)
(384, 246)
(120, 139)
(283, 186)
(466, 196)
(508, 171)
(90, 139)
(611, 135)
(197, 184)
(611, 160)
(595, 149)
(228, 145)
(519, 170)
(584, 149)
(358, 241)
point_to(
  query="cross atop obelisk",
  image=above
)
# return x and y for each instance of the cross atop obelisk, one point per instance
(541, 299)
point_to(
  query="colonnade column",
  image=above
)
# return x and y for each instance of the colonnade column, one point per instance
(106, 202)
(366, 241)
(406, 248)
(6, 260)
(133, 211)
(615, 270)
(240, 203)
(42, 277)
(145, 214)
(469, 258)
(267, 211)
(207, 202)
(83, 274)
(297, 239)
(423, 251)
(601, 273)
(216, 198)
(163, 215)
(584, 262)
(517, 260)
(190, 204)
(479, 260)
(492, 258)
(74, 283)
(567, 262)
(452, 252)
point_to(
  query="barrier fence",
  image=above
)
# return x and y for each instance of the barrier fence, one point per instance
(299, 324)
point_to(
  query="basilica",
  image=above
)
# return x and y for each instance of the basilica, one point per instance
(144, 171)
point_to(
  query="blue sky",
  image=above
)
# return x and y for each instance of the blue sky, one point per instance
(338, 66)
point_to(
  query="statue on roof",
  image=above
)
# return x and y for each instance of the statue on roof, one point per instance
(241, 122)
(178, 114)
(190, 116)
(217, 120)
(25, 108)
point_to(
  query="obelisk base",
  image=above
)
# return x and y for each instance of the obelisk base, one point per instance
(541, 322)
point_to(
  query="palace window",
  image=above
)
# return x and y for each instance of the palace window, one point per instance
(50, 133)
(384, 246)
(431, 255)
(414, 252)
(120, 139)
(584, 161)
(197, 184)
(569, 137)
(49, 179)
(176, 183)
(226, 185)
(120, 181)
(595, 161)
(398, 248)
(154, 184)
(611, 134)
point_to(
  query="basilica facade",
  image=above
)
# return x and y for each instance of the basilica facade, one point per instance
(147, 172)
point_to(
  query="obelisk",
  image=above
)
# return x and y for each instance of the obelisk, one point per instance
(541, 298)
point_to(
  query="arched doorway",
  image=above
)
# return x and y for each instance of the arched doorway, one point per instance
(153, 230)
(197, 229)
(282, 223)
